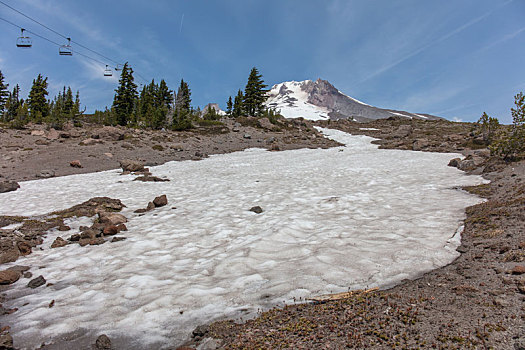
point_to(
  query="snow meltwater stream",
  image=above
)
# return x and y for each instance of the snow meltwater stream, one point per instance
(336, 219)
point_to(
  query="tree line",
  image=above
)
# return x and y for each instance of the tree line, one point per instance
(36, 107)
(155, 106)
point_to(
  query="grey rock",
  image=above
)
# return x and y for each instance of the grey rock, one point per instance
(247, 136)
(257, 209)
(45, 174)
(8, 186)
(37, 282)
(103, 343)
(131, 165)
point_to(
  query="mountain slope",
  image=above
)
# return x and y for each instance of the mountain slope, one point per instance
(319, 99)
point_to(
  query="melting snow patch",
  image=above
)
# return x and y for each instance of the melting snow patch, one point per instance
(332, 221)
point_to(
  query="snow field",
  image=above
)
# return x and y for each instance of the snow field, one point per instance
(336, 219)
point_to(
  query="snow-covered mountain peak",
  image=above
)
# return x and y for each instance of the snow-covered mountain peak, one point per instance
(317, 100)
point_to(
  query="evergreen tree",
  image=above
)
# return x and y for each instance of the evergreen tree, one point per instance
(125, 96)
(37, 102)
(4, 95)
(182, 114)
(164, 96)
(511, 144)
(229, 107)
(254, 94)
(238, 105)
(12, 104)
(183, 98)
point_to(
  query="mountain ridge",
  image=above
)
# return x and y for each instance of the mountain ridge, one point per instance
(320, 100)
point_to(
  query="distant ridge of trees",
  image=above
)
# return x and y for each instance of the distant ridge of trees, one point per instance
(155, 106)
(37, 108)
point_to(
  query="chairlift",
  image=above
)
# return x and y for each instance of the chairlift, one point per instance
(107, 72)
(65, 50)
(118, 68)
(24, 41)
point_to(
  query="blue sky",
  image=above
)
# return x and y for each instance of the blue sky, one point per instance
(454, 59)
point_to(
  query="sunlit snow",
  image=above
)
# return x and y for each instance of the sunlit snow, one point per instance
(295, 103)
(335, 219)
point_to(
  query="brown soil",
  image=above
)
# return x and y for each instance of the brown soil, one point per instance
(24, 156)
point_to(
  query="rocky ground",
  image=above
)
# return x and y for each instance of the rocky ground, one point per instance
(39, 153)
(478, 301)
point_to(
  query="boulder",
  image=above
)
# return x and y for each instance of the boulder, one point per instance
(6, 341)
(454, 162)
(8, 186)
(518, 270)
(402, 131)
(74, 238)
(420, 144)
(38, 133)
(256, 209)
(160, 201)
(110, 133)
(41, 142)
(265, 123)
(89, 142)
(37, 282)
(45, 174)
(110, 230)
(121, 227)
(148, 178)
(103, 343)
(8, 251)
(24, 248)
(59, 242)
(9, 276)
(117, 239)
(112, 218)
(52, 134)
(75, 164)
(131, 165)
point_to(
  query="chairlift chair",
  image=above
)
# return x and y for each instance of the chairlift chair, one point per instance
(24, 41)
(118, 67)
(107, 72)
(65, 50)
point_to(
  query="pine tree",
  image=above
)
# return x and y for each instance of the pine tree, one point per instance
(4, 95)
(182, 113)
(229, 107)
(164, 96)
(125, 96)
(12, 104)
(37, 102)
(238, 105)
(183, 98)
(254, 94)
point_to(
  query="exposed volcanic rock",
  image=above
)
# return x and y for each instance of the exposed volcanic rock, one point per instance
(318, 100)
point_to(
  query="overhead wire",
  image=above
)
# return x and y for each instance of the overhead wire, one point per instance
(51, 41)
(118, 65)
(57, 33)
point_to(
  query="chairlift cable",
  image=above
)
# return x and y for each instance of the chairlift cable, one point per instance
(57, 33)
(51, 41)
(59, 45)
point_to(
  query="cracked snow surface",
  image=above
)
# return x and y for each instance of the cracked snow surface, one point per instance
(334, 219)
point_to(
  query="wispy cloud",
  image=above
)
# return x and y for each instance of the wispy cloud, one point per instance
(431, 44)
(503, 39)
